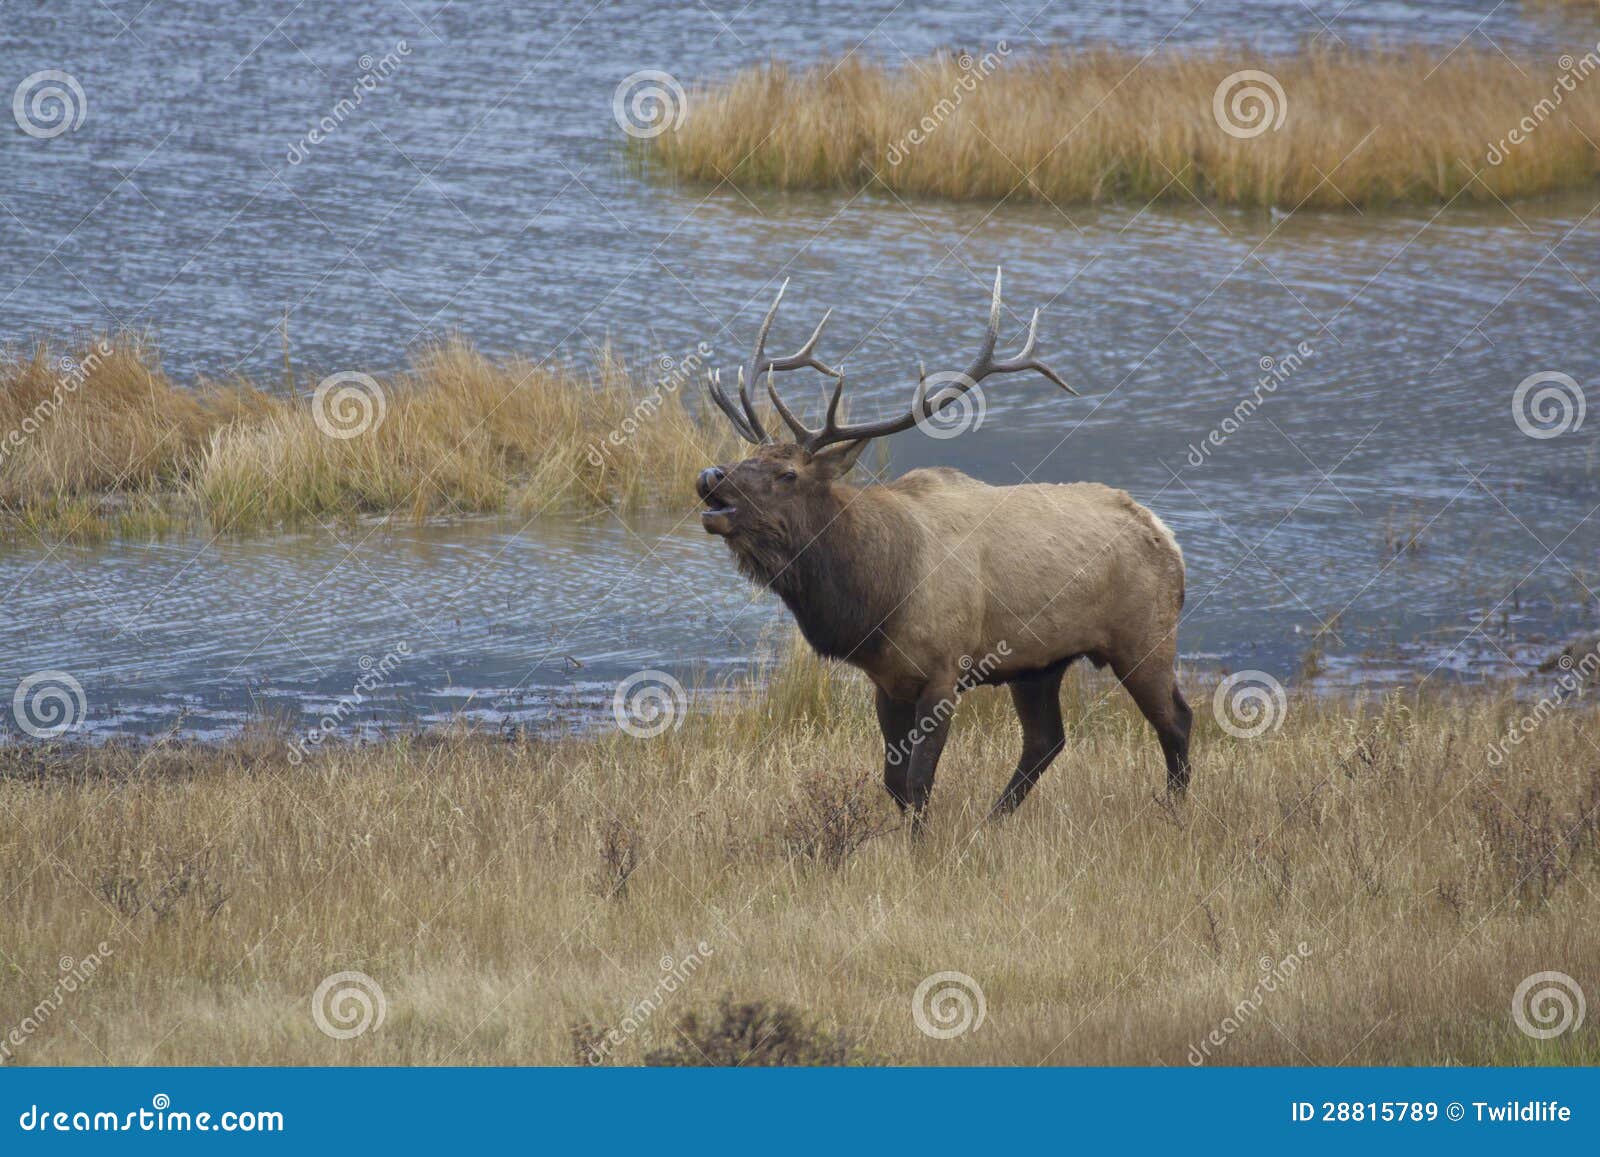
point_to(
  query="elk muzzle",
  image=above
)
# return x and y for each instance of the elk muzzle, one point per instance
(717, 517)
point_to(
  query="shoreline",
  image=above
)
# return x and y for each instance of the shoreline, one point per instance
(788, 686)
(378, 712)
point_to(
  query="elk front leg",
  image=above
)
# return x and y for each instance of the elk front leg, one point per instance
(935, 705)
(895, 720)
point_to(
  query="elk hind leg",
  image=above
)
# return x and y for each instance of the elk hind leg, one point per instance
(1037, 698)
(1154, 687)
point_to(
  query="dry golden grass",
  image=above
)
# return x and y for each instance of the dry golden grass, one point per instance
(114, 446)
(504, 894)
(1360, 128)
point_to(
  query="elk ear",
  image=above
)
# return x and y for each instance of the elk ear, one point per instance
(835, 461)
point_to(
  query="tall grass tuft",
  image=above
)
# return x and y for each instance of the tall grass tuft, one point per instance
(104, 418)
(1359, 128)
(101, 441)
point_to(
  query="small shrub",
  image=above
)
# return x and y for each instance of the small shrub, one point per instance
(619, 857)
(830, 817)
(586, 1037)
(1533, 846)
(1452, 895)
(758, 1033)
(189, 881)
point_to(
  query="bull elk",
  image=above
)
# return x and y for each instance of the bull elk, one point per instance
(935, 581)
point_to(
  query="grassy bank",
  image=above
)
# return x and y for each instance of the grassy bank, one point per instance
(98, 440)
(1358, 128)
(517, 901)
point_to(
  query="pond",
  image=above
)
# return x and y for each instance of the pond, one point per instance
(1378, 513)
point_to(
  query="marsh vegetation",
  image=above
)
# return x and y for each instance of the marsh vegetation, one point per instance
(102, 441)
(1326, 129)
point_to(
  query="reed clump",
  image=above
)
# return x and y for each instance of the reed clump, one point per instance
(99, 441)
(1330, 129)
(1363, 884)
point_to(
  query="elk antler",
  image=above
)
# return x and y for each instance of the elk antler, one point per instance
(748, 423)
(921, 408)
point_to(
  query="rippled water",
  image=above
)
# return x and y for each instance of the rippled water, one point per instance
(482, 188)
(484, 620)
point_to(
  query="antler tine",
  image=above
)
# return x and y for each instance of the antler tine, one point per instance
(919, 400)
(992, 336)
(830, 421)
(752, 419)
(796, 426)
(803, 358)
(922, 407)
(1024, 360)
(766, 324)
(804, 435)
(740, 426)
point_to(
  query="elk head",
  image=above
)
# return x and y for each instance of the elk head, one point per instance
(784, 494)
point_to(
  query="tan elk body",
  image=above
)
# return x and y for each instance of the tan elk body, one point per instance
(935, 581)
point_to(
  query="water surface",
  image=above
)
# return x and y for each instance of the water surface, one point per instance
(482, 188)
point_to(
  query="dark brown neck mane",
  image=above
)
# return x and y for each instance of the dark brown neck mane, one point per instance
(842, 575)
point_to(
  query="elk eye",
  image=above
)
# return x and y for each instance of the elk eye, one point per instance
(788, 476)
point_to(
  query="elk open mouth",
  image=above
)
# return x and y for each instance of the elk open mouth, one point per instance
(717, 517)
